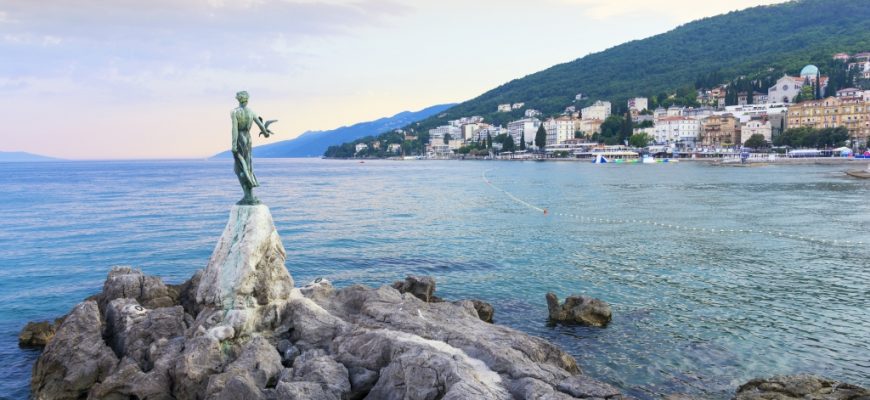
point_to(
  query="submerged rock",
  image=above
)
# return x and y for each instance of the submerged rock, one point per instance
(38, 334)
(809, 387)
(579, 309)
(239, 330)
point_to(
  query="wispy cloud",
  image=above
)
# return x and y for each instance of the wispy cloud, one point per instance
(680, 10)
(169, 44)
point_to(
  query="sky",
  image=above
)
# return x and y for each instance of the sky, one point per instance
(126, 79)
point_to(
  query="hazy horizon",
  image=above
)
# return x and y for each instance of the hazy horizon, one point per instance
(129, 81)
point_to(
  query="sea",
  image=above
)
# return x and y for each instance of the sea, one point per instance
(716, 275)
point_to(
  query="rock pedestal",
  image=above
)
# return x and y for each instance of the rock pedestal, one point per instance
(245, 282)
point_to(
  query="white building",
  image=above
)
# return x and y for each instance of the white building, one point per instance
(490, 130)
(394, 148)
(530, 113)
(504, 108)
(755, 127)
(526, 127)
(440, 132)
(675, 111)
(786, 88)
(360, 147)
(745, 113)
(517, 106)
(469, 131)
(598, 110)
(660, 113)
(559, 129)
(638, 103)
(682, 131)
(578, 97)
(589, 127)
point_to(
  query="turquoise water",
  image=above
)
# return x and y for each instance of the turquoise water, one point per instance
(694, 312)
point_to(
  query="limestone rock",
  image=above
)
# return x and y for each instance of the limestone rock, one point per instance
(423, 287)
(75, 359)
(579, 309)
(246, 268)
(38, 334)
(246, 278)
(239, 330)
(484, 310)
(808, 387)
(583, 386)
(131, 283)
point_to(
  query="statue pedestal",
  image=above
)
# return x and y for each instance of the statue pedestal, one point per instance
(246, 273)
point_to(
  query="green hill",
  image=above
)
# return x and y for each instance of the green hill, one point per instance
(767, 40)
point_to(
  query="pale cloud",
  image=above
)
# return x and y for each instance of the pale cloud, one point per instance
(681, 10)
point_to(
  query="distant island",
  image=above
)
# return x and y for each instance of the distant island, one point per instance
(20, 156)
(314, 143)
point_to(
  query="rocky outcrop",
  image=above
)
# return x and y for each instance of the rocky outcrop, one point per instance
(38, 334)
(240, 330)
(579, 309)
(806, 387)
(423, 288)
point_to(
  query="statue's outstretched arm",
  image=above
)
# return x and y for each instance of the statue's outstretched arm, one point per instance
(235, 131)
(259, 122)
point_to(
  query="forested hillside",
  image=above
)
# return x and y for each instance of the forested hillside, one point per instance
(766, 40)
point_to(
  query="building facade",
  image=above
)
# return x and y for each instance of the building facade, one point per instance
(598, 110)
(524, 128)
(756, 127)
(719, 131)
(559, 129)
(850, 112)
(680, 131)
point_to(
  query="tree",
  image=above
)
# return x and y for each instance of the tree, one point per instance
(639, 140)
(756, 141)
(508, 144)
(541, 137)
(818, 85)
(488, 141)
(523, 141)
(627, 129)
(447, 138)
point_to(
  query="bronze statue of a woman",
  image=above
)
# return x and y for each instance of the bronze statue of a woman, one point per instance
(242, 118)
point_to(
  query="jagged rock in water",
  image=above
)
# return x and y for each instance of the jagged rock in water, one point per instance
(484, 310)
(38, 334)
(807, 387)
(423, 287)
(579, 309)
(239, 330)
(75, 359)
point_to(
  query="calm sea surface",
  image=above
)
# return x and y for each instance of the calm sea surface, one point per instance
(694, 312)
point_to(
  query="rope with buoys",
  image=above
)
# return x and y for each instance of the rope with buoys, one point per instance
(588, 219)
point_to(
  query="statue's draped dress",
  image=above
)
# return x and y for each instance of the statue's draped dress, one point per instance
(242, 120)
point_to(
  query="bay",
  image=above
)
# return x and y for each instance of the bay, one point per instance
(698, 309)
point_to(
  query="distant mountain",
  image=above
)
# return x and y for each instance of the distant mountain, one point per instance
(767, 39)
(19, 156)
(314, 143)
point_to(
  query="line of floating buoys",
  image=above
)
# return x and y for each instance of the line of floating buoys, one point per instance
(545, 211)
(712, 230)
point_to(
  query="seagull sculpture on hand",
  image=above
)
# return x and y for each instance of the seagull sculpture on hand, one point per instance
(266, 124)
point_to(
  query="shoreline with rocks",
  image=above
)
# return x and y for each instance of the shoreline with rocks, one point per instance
(240, 329)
